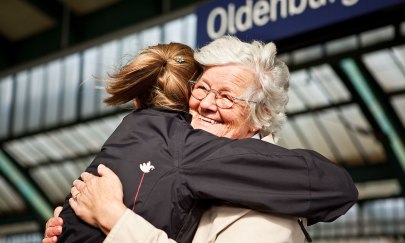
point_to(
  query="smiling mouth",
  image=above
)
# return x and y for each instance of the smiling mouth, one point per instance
(205, 119)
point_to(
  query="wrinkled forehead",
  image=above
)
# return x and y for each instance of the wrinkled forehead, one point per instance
(225, 77)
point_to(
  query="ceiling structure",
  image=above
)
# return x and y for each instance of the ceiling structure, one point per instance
(347, 98)
(30, 29)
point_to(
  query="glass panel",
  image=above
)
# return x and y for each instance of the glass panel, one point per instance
(331, 84)
(399, 56)
(289, 137)
(360, 128)
(50, 148)
(151, 36)
(9, 199)
(130, 46)
(57, 138)
(35, 100)
(19, 153)
(83, 163)
(398, 102)
(113, 122)
(42, 175)
(71, 171)
(85, 137)
(307, 90)
(72, 79)
(37, 152)
(109, 63)
(20, 103)
(53, 92)
(173, 31)
(24, 237)
(6, 92)
(69, 139)
(88, 84)
(307, 54)
(60, 179)
(385, 70)
(338, 133)
(295, 104)
(190, 29)
(309, 127)
(341, 45)
(377, 35)
(100, 131)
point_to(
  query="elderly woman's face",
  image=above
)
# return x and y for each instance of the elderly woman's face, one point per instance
(231, 80)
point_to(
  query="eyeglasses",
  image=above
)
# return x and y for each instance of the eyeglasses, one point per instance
(223, 101)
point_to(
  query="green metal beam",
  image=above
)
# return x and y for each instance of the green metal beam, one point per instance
(375, 106)
(31, 195)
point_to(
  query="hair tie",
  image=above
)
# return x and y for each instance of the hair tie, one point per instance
(179, 59)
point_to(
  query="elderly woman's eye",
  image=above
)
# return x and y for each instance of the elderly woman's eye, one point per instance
(228, 97)
(202, 88)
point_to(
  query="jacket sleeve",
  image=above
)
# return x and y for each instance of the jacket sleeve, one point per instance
(265, 177)
(135, 229)
(223, 224)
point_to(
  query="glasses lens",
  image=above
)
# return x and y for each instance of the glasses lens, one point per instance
(224, 102)
(221, 101)
(199, 93)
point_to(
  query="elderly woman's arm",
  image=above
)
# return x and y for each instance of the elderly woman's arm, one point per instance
(222, 224)
(133, 228)
(98, 201)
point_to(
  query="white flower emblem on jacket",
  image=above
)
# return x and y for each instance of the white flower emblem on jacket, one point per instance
(146, 167)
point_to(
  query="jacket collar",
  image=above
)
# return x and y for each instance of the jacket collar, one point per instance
(168, 112)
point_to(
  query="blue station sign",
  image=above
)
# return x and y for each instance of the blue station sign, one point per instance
(273, 20)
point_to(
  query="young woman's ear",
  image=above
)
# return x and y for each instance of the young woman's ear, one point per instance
(137, 103)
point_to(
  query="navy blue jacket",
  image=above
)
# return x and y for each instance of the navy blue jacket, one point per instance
(193, 169)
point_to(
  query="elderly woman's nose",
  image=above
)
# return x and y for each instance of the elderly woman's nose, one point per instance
(209, 102)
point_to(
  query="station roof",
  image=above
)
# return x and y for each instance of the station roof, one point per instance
(347, 98)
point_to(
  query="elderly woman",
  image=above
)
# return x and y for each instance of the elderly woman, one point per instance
(238, 73)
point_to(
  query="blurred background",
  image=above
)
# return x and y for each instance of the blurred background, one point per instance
(347, 94)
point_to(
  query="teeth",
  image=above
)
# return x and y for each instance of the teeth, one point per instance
(207, 120)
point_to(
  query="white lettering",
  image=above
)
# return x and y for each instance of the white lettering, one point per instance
(295, 10)
(221, 13)
(233, 19)
(273, 10)
(349, 3)
(315, 4)
(247, 12)
(261, 13)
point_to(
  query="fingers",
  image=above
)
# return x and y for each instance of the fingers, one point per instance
(53, 229)
(73, 204)
(105, 171)
(57, 211)
(102, 169)
(75, 192)
(53, 222)
(86, 176)
(52, 239)
(79, 185)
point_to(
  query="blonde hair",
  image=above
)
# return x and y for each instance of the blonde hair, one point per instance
(159, 76)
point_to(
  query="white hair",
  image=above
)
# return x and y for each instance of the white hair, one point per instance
(272, 75)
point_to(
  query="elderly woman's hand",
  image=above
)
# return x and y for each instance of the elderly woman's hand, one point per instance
(98, 200)
(53, 227)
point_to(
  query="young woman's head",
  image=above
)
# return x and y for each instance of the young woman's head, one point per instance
(158, 77)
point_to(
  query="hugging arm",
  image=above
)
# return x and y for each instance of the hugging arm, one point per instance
(269, 178)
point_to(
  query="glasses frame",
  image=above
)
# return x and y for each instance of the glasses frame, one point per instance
(217, 92)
